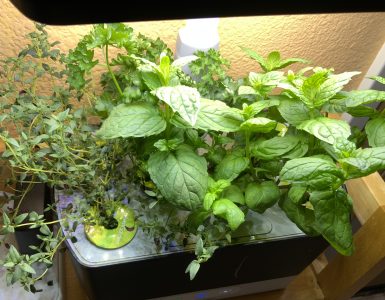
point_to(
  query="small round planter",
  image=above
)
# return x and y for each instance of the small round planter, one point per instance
(116, 237)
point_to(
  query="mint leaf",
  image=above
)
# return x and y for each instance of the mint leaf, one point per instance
(260, 197)
(332, 218)
(375, 130)
(273, 60)
(234, 193)
(229, 211)
(364, 162)
(182, 99)
(378, 78)
(321, 86)
(246, 90)
(259, 124)
(151, 79)
(168, 145)
(132, 120)
(263, 83)
(217, 116)
(289, 61)
(355, 98)
(231, 166)
(312, 171)
(275, 147)
(296, 193)
(196, 218)
(299, 215)
(300, 149)
(256, 107)
(325, 129)
(294, 111)
(362, 111)
(254, 55)
(181, 176)
(209, 200)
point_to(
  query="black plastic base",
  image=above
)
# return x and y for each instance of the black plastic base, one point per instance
(232, 265)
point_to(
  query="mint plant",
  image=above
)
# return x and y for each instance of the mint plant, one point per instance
(210, 146)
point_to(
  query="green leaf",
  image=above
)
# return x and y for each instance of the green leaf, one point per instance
(13, 142)
(181, 176)
(20, 218)
(231, 166)
(209, 200)
(229, 211)
(217, 116)
(259, 124)
(273, 60)
(13, 254)
(320, 87)
(332, 217)
(287, 62)
(151, 79)
(260, 197)
(325, 129)
(167, 145)
(254, 55)
(265, 83)
(299, 150)
(182, 99)
(45, 230)
(355, 98)
(196, 218)
(216, 187)
(132, 120)
(256, 107)
(296, 193)
(275, 147)
(27, 268)
(362, 111)
(246, 90)
(364, 162)
(199, 249)
(378, 78)
(6, 220)
(234, 193)
(299, 215)
(375, 130)
(165, 67)
(193, 269)
(312, 171)
(293, 111)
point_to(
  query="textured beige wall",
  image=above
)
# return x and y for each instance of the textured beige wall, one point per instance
(344, 41)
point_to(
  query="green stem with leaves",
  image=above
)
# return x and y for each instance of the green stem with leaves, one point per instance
(112, 73)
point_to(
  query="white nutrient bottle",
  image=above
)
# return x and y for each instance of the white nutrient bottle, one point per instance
(198, 34)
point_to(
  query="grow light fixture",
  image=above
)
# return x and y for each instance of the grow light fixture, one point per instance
(91, 12)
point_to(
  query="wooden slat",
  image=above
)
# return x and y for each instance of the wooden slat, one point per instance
(303, 287)
(345, 275)
(368, 194)
(69, 283)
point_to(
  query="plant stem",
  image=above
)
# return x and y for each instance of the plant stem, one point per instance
(247, 144)
(168, 113)
(33, 223)
(112, 73)
(29, 187)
